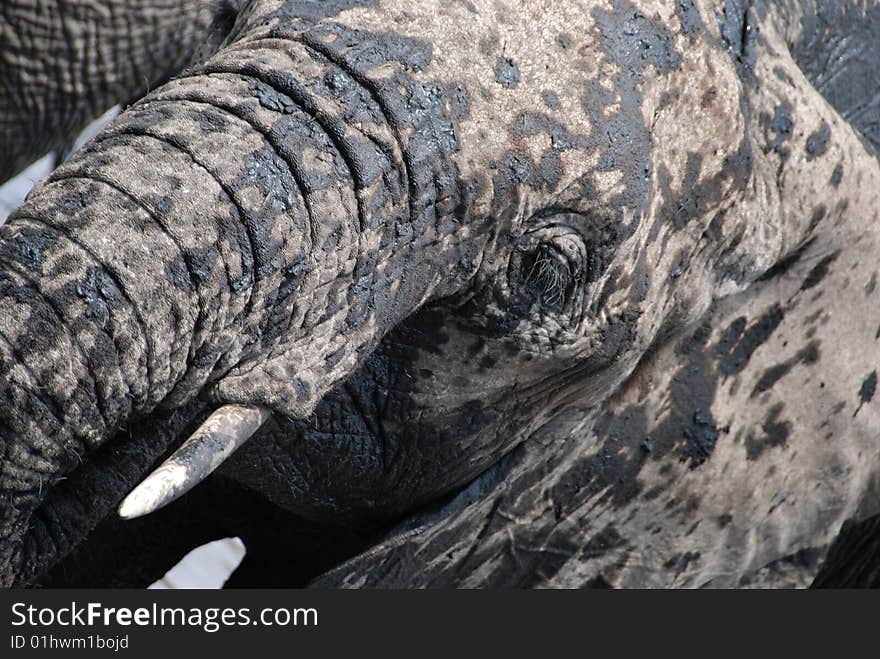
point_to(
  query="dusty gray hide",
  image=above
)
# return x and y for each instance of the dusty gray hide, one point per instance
(538, 294)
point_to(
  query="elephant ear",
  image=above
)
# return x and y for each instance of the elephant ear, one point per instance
(750, 440)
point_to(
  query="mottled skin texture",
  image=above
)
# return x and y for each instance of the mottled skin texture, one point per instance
(64, 62)
(541, 294)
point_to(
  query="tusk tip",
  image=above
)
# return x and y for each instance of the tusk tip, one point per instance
(223, 432)
(160, 488)
(132, 509)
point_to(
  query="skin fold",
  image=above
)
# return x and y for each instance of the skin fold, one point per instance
(544, 294)
(64, 62)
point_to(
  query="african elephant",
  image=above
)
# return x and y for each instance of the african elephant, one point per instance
(64, 62)
(546, 293)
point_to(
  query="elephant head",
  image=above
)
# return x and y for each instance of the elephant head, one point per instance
(552, 286)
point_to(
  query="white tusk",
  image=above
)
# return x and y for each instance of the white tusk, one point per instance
(215, 440)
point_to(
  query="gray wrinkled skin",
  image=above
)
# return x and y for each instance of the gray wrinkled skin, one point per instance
(541, 294)
(64, 62)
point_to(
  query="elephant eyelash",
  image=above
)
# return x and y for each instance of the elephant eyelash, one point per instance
(551, 275)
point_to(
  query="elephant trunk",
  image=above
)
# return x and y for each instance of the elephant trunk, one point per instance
(241, 235)
(63, 63)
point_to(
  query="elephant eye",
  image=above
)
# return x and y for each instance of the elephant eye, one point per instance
(550, 274)
(553, 269)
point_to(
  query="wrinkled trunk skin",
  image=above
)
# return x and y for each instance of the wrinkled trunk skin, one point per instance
(122, 289)
(64, 62)
(260, 278)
